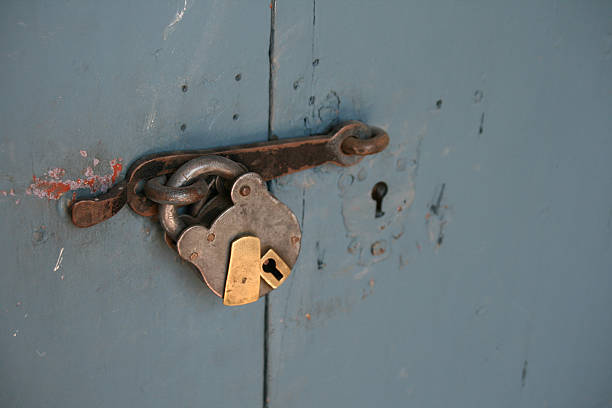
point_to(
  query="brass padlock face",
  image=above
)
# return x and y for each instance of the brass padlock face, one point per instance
(243, 273)
(274, 270)
(255, 212)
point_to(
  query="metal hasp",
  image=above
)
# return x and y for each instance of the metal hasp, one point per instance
(345, 145)
(217, 212)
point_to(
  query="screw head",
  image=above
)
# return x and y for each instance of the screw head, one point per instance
(245, 191)
(193, 256)
(210, 237)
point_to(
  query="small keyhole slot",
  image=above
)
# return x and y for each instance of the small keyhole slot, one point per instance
(269, 266)
(378, 193)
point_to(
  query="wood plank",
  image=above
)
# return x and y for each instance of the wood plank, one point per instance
(117, 320)
(493, 287)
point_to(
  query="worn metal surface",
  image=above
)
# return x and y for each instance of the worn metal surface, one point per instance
(274, 270)
(372, 144)
(486, 283)
(243, 272)
(106, 205)
(118, 320)
(343, 146)
(199, 167)
(156, 190)
(257, 214)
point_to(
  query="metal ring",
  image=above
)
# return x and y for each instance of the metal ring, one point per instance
(202, 166)
(376, 143)
(155, 190)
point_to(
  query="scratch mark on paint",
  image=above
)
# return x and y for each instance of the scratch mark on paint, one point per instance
(481, 127)
(320, 257)
(361, 273)
(177, 19)
(150, 119)
(524, 374)
(60, 258)
(435, 208)
(437, 218)
(52, 187)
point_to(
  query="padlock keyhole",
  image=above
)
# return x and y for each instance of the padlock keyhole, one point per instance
(270, 266)
(378, 193)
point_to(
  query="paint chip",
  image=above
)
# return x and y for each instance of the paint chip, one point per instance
(56, 173)
(52, 187)
(83, 153)
(60, 258)
(177, 19)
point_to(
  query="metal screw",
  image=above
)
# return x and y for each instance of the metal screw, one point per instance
(193, 256)
(295, 240)
(245, 191)
(210, 237)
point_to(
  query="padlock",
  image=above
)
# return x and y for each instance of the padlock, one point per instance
(217, 211)
(245, 250)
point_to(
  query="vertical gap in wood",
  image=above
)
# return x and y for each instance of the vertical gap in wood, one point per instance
(272, 74)
(312, 59)
(271, 136)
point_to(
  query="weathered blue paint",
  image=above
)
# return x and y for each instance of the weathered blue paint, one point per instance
(495, 292)
(486, 283)
(121, 322)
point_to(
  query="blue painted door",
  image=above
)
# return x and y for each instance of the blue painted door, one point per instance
(485, 283)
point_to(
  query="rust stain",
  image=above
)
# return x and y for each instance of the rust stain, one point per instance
(52, 185)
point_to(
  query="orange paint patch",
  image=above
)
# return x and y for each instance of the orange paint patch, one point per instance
(51, 187)
(117, 167)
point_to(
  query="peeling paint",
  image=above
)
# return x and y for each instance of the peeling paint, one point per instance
(177, 19)
(56, 173)
(365, 227)
(52, 186)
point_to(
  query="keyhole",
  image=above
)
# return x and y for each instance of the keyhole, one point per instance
(269, 266)
(378, 193)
